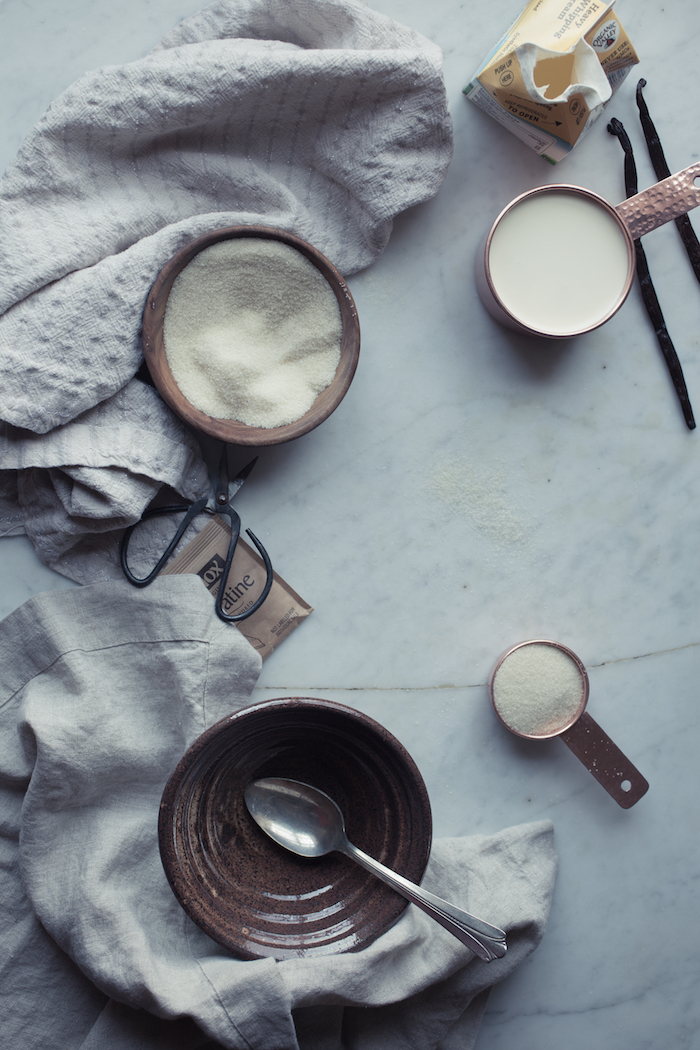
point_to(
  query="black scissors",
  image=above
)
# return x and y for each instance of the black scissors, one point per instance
(218, 503)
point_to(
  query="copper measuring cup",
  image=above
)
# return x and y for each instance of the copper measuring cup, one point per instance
(633, 218)
(581, 733)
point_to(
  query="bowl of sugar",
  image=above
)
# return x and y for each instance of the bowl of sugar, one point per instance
(251, 335)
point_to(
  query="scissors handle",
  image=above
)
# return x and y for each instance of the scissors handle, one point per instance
(192, 510)
(235, 523)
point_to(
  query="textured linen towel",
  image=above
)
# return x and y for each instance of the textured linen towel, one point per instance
(320, 117)
(103, 689)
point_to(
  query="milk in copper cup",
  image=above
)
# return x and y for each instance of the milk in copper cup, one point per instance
(559, 260)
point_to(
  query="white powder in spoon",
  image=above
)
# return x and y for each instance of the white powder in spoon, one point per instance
(538, 689)
(252, 332)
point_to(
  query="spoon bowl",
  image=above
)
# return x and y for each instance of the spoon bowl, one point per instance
(309, 823)
(306, 822)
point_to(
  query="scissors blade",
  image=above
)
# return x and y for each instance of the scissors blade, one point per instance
(235, 484)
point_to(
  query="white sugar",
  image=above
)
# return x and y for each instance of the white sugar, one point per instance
(252, 332)
(538, 689)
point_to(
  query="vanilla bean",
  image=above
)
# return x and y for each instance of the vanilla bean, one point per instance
(649, 296)
(662, 170)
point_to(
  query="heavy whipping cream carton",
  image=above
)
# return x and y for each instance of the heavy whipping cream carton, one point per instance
(551, 75)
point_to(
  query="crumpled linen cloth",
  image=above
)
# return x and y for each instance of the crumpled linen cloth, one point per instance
(320, 117)
(103, 689)
(74, 490)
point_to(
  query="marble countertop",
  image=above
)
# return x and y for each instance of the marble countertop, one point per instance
(477, 488)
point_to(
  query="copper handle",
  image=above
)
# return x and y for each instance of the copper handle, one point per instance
(605, 761)
(662, 202)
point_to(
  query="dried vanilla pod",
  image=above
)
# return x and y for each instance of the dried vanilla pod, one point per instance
(662, 171)
(649, 296)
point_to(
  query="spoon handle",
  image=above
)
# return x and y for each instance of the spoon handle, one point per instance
(486, 941)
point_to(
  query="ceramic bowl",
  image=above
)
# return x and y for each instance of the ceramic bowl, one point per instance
(230, 430)
(248, 893)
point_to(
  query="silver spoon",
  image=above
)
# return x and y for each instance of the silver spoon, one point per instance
(306, 821)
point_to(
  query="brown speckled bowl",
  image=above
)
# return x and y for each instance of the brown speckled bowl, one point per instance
(251, 895)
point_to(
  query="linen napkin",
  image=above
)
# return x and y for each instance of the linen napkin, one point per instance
(104, 687)
(320, 117)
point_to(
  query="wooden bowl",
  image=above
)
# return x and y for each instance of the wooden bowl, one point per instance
(231, 430)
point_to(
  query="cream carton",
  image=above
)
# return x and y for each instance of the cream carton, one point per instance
(551, 75)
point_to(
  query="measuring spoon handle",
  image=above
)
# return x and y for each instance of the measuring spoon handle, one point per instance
(605, 761)
(485, 940)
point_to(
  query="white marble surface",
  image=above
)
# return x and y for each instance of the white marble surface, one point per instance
(476, 488)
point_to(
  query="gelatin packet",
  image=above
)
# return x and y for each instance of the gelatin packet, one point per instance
(281, 612)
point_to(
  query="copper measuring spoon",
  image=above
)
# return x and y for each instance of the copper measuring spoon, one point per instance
(572, 723)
